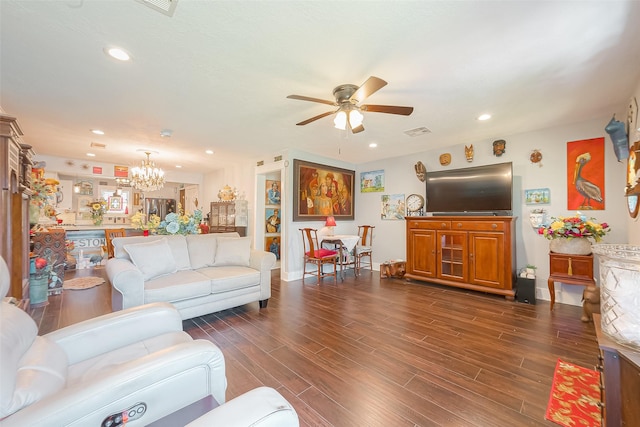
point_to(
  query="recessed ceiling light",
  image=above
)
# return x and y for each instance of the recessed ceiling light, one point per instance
(483, 117)
(117, 53)
(91, 154)
(373, 145)
(97, 131)
(178, 166)
(209, 151)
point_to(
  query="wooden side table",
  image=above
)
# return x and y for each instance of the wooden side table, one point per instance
(569, 269)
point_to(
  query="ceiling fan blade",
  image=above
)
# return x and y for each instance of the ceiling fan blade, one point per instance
(313, 119)
(307, 98)
(390, 109)
(368, 88)
(357, 129)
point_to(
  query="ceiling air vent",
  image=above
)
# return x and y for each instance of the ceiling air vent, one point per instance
(417, 131)
(166, 7)
(98, 145)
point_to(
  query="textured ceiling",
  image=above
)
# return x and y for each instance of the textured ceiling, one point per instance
(217, 73)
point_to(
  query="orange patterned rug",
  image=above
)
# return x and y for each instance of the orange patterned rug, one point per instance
(575, 396)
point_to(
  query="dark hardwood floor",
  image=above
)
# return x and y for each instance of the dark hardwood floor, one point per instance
(383, 352)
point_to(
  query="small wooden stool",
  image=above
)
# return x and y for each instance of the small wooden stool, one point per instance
(395, 269)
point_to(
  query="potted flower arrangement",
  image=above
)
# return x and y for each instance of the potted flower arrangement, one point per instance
(572, 234)
(41, 272)
(139, 222)
(97, 209)
(179, 223)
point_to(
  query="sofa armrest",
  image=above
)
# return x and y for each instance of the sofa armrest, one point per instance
(126, 279)
(165, 381)
(263, 261)
(263, 407)
(106, 333)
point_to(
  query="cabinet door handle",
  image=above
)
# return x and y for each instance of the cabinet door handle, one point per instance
(570, 269)
(443, 225)
(459, 224)
(494, 226)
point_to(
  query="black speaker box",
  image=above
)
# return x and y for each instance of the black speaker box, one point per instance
(526, 290)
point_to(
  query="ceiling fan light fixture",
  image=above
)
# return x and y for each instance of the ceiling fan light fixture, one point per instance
(340, 121)
(355, 118)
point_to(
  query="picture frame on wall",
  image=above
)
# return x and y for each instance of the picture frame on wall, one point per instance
(272, 192)
(272, 244)
(392, 206)
(372, 181)
(321, 191)
(537, 196)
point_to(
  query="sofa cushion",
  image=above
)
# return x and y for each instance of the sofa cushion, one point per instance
(186, 284)
(152, 258)
(202, 249)
(229, 278)
(177, 243)
(233, 251)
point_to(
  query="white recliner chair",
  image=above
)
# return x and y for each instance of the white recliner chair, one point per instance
(85, 373)
(81, 374)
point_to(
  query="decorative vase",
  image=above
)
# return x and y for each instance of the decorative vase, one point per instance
(97, 221)
(38, 291)
(573, 246)
(620, 291)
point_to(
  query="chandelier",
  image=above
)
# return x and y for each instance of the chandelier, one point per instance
(147, 176)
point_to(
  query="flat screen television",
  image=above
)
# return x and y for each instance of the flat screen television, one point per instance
(480, 190)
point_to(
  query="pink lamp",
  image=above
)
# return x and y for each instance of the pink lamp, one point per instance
(331, 222)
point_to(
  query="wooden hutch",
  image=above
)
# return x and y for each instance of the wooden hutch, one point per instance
(472, 252)
(15, 192)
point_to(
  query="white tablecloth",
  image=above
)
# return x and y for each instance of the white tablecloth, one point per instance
(349, 241)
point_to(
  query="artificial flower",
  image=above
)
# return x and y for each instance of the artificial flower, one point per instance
(575, 226)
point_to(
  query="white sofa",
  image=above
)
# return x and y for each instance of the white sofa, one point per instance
(197, 273)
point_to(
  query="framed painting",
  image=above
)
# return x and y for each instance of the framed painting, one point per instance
(272, 220)
(322, 191)
(393, 206)
(272, 192)
(585, 175)
(537, 196)
(272, 244)
(371, 182)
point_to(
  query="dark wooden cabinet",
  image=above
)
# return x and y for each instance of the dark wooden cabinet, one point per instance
(620, 380)
(15, 178)
(473, 252)
(569, 269)
(228, 217)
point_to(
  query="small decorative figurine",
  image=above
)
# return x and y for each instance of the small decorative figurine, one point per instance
(499, 147)
(421, 171)
(468, 153)
(445, 159)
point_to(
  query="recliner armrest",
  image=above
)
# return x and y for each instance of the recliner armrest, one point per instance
(106, 333)
(260, 407)
(165, 381)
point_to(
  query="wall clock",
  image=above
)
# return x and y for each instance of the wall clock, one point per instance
(415, 205)
(632, 205)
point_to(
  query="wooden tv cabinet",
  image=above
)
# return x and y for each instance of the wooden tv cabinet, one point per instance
(472, 252)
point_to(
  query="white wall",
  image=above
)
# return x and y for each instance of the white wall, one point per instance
(400, 177)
